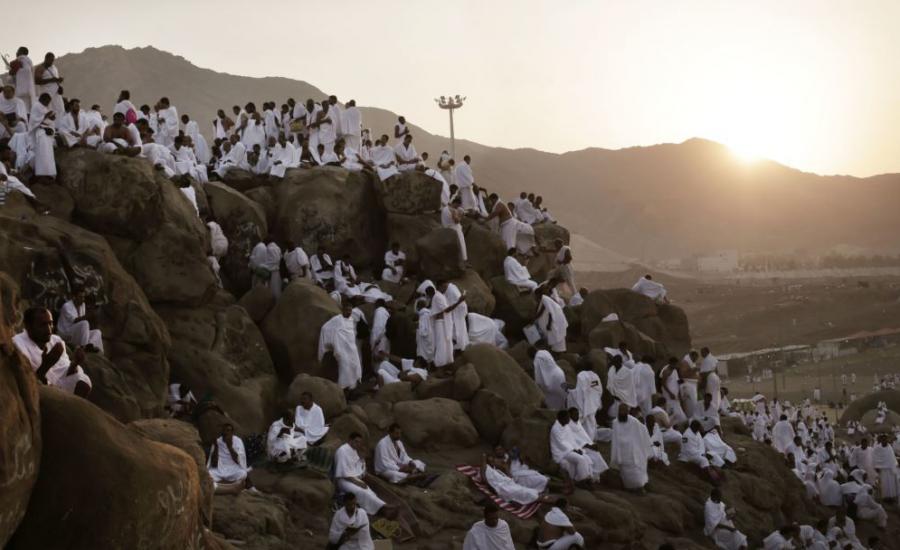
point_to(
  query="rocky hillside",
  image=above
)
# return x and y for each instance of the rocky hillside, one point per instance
(113, 473)
(655, 202)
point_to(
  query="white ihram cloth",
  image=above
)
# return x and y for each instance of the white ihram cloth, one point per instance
(714, 518)
(566, 449)
(348, 464)
(465, 180)
(558, 518)
(295, 260)
(717, 447)
(391, 374)
(322, 268)
(484, 330)
(338, 335)
(458, 316)
(644, 385)
(620, 383)
(186, 163)
(598, 464)
(52, 88)
(448, 221)
(227, 470)
(168, 126)
(25, 80)
(361, 539)
(551, 379)
(351, 126)
(378, 339)
(782, 435)
(407, 155)
(56, 375)
(482, 537)
(385, 162)
(708, 363)
(517, 234)
(650, 289)
(344, 274)
(201, 148)
(867, 508)
(395, 260)
(390, 455)
(78, 334)
(630, 451)
(693, 449)
(442, 331)
(552, 323)
(42, 144)
(72, 128)
(312, 422)
(885, 463)
(282, 157)
(658, 445)
(587, 397)
(280, 447)
(517, 274)
(217, 239)
(425, 335)
(507, 489)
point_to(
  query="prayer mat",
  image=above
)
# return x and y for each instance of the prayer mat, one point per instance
(522, 511)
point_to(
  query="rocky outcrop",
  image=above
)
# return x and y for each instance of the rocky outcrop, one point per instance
(244, 223)
(155, 231)
(102, 486)
(291, 330)
(20, 442)
(49, 256)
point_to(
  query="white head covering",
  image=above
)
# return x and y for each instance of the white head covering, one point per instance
(558, 518)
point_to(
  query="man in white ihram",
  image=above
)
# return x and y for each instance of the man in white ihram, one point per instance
(392, 462)
(517, 274)
(350, 474)
(285, 441)
(651, 289)
(491, 533)
(465, 180)
(719, 526)
(227, 463)
(74, 326)
(631, 449)
(338, 336)
(47, 354)
(549, 377)
(350, 527)
(310, 419)
(568, 452)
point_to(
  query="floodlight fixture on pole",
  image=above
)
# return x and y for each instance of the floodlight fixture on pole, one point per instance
(451, 103)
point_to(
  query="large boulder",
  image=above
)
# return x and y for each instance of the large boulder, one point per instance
(242, 180)
(332, 207)
(406, 229)
(184, 436)
(857, 409)
(219, 352)
(103, 486)
(259, 521)
(531, 434)
(501, 374)
(478, 294)
(411, 193)
(325, 393)
(439, 254)
(160, 239)
(20, 420)
(546, 233)
(435, 423)
(516, 309)
(292, 329)
(490, 414)
(665, 324)
(48, 256)
(485, 247)
(244, 223)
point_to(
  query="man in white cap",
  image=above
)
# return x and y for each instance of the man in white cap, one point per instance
(557, 531)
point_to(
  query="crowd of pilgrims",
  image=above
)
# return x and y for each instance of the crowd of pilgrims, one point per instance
(680, 406)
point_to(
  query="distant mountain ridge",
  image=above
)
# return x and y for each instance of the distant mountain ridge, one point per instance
(653, 202)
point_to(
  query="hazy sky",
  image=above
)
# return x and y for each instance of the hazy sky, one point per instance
(813, 84)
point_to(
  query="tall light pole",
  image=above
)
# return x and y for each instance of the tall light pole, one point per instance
(451, 104)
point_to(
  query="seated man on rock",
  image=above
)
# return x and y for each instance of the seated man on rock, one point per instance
(350, 474)
(350, 527)
(285, 442)
(392, 462)
(556, 530)
(47, 354)
(413, 371)
(491, 533)
(651, 289)
(227, 463)
(719, 526)
(495, 471)
(394, 264)
(119, 139)
(517, 274)
(181, 400)
(310, 420)
(74, 327)
(693, 448)
(322, 268)
(568, 450)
